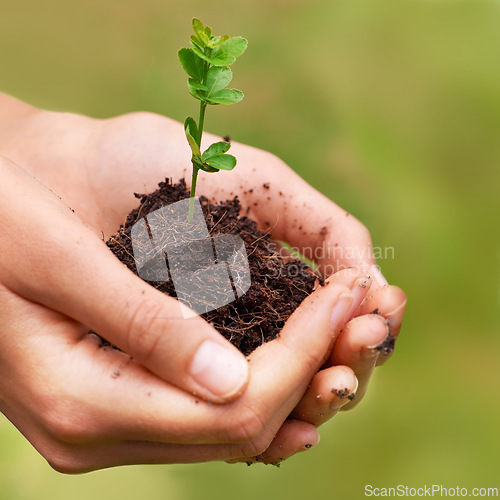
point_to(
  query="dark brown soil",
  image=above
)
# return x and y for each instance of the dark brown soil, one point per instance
(278, 285)
(344, 393)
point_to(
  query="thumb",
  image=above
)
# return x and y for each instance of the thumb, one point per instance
(68, 268)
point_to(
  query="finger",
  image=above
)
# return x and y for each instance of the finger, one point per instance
(330, 389)
(72, 271)
(358, 348)
(390, 303)
(295, 436)
(360, 289)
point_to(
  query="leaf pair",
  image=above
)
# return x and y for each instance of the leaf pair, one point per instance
(214, 90)
(224, 53)
(214, 158)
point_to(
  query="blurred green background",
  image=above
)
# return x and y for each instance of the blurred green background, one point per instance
(389, 107)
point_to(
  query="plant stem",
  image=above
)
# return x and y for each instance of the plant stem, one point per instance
(194, 178)
(203, 106)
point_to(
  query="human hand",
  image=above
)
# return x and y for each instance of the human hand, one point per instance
(108, 155)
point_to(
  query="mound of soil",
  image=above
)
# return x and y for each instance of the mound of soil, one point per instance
(278, 284)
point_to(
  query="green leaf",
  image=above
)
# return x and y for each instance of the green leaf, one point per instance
(197, 90)
(197, 94)
(197, 85)
(207, 168)
(218, 77)
(191, 132)
(198, 26)
(192, 64)
(217, 40)
(202, 34)
(198, 163)
(204, 39)
(226, 96)
(198, 50)
(221, 162)
(217, 148)
(190, 126)
(196, 43)
(226, 53)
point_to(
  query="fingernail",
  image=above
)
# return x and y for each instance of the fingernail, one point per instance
(343, 396)
(311, 443)
(353, 393)
(395, 317)
(340, 309)
(377, 275)
(371, 351)
(359, 290)
(362, 283)
(219, 369)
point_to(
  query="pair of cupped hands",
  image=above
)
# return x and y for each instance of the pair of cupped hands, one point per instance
(176, 391)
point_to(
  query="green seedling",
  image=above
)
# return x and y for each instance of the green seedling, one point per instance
(207, 64)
